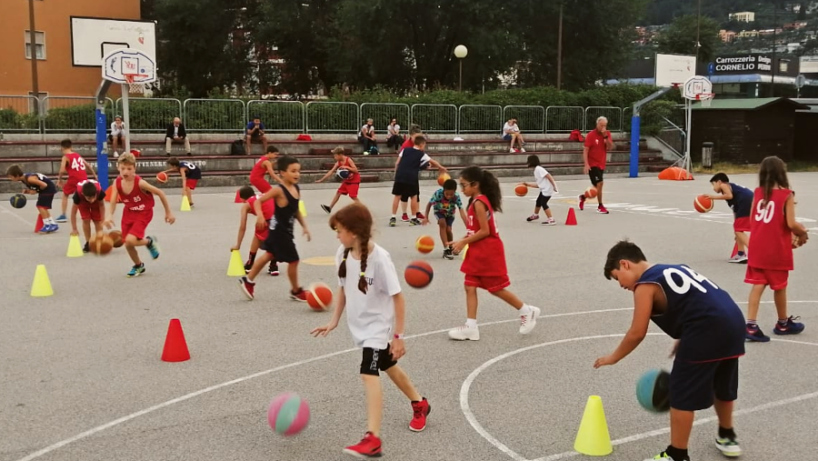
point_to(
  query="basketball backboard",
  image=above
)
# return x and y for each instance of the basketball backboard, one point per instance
(94, 38)
(697, 87)
(122, 63)
(674, 69)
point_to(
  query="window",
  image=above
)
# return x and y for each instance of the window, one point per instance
(39, 46)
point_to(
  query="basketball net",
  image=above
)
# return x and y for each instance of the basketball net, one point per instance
(134, 88)
(705, 98)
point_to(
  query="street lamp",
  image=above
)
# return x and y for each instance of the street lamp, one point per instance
(460, 52)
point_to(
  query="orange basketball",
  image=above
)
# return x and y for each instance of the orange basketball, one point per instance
(443, 178)
(104, 244)
(521, 190)
(703, 203)
(590, 192)
(116, 236)
(425, 244)
(319, 296)
(418, 274)
(162, 177)
(795, 241)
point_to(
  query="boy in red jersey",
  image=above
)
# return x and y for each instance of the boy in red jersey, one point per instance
(350, 184)
(137, 198)
(75, 166)
(268, 209)
(772, 226)
(89, 201)
(263, 167)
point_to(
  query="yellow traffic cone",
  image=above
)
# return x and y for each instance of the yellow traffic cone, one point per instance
(185, 204)
(74, 247)
(593, 438)
(236, 267)
(463, 253)
(41, 286)
(302, 208)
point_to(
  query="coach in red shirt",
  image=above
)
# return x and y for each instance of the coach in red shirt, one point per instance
(594, 156)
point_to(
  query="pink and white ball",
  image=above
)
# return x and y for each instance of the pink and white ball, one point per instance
(289, 414)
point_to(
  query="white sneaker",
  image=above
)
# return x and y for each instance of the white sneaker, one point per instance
(522, 150)
(738, 259)
(550, 222)
(528, 321)
(464, 333)
(116, 154)
(512, 151)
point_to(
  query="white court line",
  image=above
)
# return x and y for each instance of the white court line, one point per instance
(5, 211)
(191, 395)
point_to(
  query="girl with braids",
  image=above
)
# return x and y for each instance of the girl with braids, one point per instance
(485, 262)
(772, 225)
(370, 290)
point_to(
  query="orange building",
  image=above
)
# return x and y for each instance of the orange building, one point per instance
(57, 74)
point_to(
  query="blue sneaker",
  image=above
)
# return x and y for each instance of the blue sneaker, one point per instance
(790, 328)
(49, 228)
(153, 246)
(136, 271)
(62, 218)
(754, 333)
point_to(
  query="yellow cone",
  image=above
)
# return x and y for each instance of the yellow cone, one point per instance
(593, 438)
(463, 253)
(185, 204)
(41, 286)
(236, 267)
(302, 208)
(74, 247)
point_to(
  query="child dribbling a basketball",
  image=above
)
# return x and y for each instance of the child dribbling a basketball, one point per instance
(740, 200)
(370, 291)
(485, 261)
(545, 182)
(445, 200)
(191, 174)
(350, 184)
(37, 183)
(89, 200)
(248, 195)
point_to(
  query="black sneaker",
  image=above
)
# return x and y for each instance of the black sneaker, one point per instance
(448, 254)
(247, 266)
(326, 208)
(86, 248)
(392, 221)
(414, 222)
(273, 271)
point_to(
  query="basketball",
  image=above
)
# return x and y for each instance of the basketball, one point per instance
(289, 414)
(795, 243)
(104, 244)
(653, 391)
(521, 190)
(425, 244)
(319, 296)
(162, 177)
(18, 200)
(590, 192)
(116, 236)
(418, 274)
(342, 173)
(442, 179)
(703, 203)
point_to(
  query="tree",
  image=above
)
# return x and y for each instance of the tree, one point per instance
(680, 37)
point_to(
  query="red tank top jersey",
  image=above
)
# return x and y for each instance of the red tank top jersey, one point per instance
(770, 236)
(138, 201)
(354, 178)
(76, 167)
(258, 171)
(485, 257)
(267, 208)
(83, 200)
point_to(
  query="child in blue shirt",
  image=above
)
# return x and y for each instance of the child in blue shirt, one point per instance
(445, 200)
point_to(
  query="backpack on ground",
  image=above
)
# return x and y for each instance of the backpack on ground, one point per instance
(237, 148)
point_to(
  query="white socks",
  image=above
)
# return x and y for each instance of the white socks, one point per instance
(471, 323)
(525, 310)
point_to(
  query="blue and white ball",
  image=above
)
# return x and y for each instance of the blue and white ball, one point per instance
(343, 173)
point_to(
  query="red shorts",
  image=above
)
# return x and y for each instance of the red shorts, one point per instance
(136, 223)
(191, 183)
(90, 211)
(261, 235)
(70, 186)
(349, 189)
(741, 224)
(261, 184)
(776, 279)
(491, 283)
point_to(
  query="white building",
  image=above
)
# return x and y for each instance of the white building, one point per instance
(744, 16)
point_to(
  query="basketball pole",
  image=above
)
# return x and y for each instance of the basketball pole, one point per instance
(126, 119)
(636, 129)
(102, 132)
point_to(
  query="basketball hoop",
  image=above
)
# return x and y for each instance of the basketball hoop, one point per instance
(134, 87)
(705, 99)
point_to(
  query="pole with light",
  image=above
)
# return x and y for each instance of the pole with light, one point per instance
(460, 52)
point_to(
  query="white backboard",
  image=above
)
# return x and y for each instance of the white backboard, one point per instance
(696, 86)
(93, 38)
(674, 69)
(123, 61)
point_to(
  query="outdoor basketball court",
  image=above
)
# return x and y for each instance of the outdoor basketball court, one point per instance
(83, 379)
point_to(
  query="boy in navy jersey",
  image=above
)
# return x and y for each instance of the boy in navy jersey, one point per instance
(709, 330)
(740, 200)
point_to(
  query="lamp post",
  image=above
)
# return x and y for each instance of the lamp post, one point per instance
(35, 84)
(460, 52)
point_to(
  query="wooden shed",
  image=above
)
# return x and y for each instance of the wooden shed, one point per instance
(745, 130)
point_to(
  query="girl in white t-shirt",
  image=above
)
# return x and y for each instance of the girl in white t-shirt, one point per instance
(545, 183)
(376, 311)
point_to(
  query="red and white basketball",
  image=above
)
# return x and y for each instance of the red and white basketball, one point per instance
(425, 244)
(703, 203)
(319, 296)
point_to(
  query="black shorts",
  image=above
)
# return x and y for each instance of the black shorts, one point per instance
(376, 359)
(406, 191)
(542, 201)
(111, 137)
(693, 385)
(281, 246)
(45, 199)
(596, 173)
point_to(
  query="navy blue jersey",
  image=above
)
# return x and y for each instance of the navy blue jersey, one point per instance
(706, 320)
(284, 216)
(50, 187)
(411, 162)
(742, 201)
(193, 172)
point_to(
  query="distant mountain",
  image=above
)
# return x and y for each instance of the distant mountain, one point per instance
(663, 11)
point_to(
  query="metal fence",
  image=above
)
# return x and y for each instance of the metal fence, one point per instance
(278, 116)
(19, 114)
(563, 119)
(613, 114)
(71, 114)
(332, 117)
(215, 115)
(383, 113)
(435, 118)
(148, 115)
(530, 119)
(480, 119)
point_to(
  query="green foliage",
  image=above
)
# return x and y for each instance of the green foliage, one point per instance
(653, 116)
(680, 37)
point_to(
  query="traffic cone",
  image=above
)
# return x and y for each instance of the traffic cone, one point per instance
(185, 204)
(593, 438)
(236, 267)
(39, 224)
(571, 220)
(238, 198)
(74, 247)
(42, 286)
(175, 346)
(302, 208)
(108, 193)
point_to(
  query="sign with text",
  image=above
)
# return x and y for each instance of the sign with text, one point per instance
(753, 64)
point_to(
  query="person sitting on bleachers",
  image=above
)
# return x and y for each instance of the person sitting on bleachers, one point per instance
(176, 134)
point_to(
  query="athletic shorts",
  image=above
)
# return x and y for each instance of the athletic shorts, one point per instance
(694, 385)
(191, 183)
(281, 246)
(45, 199)
(507, 137)
(741, 224)
(261, 184)
(490, 283)
(350, 189)
(377, 359)
(542, 201)
(136, 223)
(90, 211)
(406, 191)
(596, 175)
(449, 219)
(70, 186)
(776, 279)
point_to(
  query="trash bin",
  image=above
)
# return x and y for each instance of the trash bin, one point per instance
(707, 155)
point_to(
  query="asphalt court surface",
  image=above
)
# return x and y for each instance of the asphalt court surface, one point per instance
(82, 377)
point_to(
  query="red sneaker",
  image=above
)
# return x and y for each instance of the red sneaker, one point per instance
(421, 410)
(299, 295)
(602, 210)
(247, 287)
(368, 447)
(420, 216)
(581, 202)
(405, 218)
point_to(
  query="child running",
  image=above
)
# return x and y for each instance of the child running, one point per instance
(191, 174)
(248, 195)
(740, 200)
(485, 262)
(709, 330)
(72, 163)
(89, 200)
(351, 182)
(414, 132)
(280, 239)
(407, 185)
(263, 167)
(770, 253)
(445, 200)
(137, 198)
(37, 183)
(545, 182)
(369, 289)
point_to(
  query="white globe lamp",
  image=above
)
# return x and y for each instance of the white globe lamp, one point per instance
(460, 52)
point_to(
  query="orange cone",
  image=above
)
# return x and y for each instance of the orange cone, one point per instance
(39, 224)
(238, 198)
(175, 345)
(571, 220)
(735, 250)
